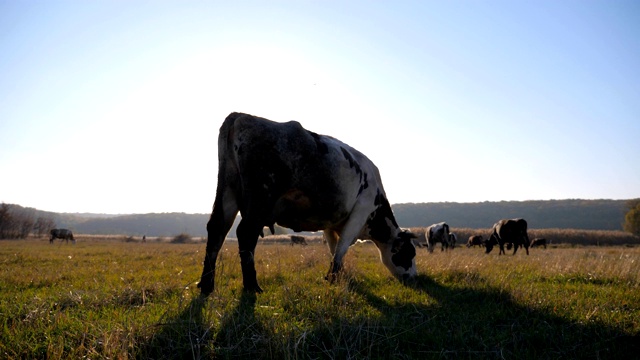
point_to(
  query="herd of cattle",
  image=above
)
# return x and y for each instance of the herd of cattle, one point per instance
(509, 232)
(503, 232)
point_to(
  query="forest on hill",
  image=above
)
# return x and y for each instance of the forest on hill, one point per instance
(547, 214)
(558, 214)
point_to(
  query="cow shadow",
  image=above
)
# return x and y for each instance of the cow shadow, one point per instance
(490, 323)
(184, 335)
(189, 334)
(456, 322)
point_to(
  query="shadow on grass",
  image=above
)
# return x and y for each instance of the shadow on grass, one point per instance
(182, 336)
(458, 323)
(489, 323)
(189, 335)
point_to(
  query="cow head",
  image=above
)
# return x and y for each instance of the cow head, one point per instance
(399, 256)
(490, 242)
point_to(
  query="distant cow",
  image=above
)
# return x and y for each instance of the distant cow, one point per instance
(539, 242)
(437, 233)
(453, 239)
(420, 240)
(298, 240)
(510, 232)
(281, 173)
(475, 240)
(62, 234)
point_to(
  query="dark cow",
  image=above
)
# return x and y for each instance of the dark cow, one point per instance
(281, 173)
(539, 242)
(295, 239)
(437, 233)
(510, 232)
(62, 234)
(453, 239)
(475, 240)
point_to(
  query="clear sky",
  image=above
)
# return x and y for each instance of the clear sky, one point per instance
(115, 106)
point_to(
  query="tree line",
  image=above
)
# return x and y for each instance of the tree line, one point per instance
(542, 214)
(19, 222)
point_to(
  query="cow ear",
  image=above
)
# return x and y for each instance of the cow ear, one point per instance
(401, 239)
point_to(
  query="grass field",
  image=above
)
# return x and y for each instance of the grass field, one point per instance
(122, 300)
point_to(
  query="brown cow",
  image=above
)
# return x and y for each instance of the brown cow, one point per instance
(295, 239)
(475, 240)
(62, 234)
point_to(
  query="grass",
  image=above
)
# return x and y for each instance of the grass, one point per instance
(122, 300)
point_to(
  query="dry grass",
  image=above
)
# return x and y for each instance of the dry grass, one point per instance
(111, 299)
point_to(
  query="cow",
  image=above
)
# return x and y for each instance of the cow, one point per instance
(475, 240)
(539, 242)
(298, 240)
(280, 173)
(62, 234)
(420, 240)
(510, 232)
(437, 233)
(453, 239)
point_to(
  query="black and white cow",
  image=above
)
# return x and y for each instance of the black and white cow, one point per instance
(437, 233)
(281, 173)
(62, 234)
(475, 240)
(510, 232)
(295, 239)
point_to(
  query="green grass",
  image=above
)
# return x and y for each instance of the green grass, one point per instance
(108, 299)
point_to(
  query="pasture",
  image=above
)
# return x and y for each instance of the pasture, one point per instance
(103, 299)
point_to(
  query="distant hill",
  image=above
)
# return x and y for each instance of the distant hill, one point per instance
(561, 214)
(163, 224)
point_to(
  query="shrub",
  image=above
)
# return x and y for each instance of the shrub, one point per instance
(182, 238)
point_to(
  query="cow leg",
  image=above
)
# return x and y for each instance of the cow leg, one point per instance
(501, 249)
(347, 237)
(248, 233)
(220, 222)
(331, 237)
(515, 248)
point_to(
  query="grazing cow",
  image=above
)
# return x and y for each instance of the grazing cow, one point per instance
(420, 240)
(437, 233)
(453, 239)
(298, 240)
(475, 240)
(62, 234)
(282, 173)
(510, 232)
(539, 242)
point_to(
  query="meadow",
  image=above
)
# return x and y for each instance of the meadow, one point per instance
(113, 299)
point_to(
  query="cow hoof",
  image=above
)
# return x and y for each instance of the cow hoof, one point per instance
(331, 277)
(205, 290)
(253, 289)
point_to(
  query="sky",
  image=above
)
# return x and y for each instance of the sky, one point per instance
(114, 106)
